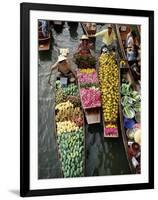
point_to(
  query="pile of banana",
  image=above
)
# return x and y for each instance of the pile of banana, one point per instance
(66, 127)
(68, 113)
(109, 85)
(87, 71)
(64, 105)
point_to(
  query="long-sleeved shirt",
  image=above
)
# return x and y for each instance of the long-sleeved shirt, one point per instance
(106, 38)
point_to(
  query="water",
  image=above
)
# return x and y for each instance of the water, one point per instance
(103, 156)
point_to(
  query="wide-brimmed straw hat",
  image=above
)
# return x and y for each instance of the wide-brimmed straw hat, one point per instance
(61, 58)
(84, 37)
(109, 26)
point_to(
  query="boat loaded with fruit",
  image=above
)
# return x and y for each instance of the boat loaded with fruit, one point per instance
(69, 123)
(109, 85)
(120, 99)
(88, 83)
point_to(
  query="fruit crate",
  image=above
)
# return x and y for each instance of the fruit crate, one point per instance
(110, 135)
(93, 115)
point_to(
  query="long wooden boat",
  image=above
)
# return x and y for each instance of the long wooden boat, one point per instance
(89, 30)
(43, 42)
(93, 113)
(58, 26)
(122, 129)
(110, 125)
(59, 151)
(135, 84)
(125, 72)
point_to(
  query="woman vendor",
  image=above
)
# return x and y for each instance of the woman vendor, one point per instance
(64, 68)
(84, 46)
(108, 37)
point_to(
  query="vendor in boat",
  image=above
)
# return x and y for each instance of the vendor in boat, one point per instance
(63, 65)
(108, 37)
(84, 46)
(132, 39)
(132, 48)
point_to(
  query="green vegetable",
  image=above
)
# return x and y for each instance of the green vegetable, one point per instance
(128, 112)
(126, 89)
(137, 107)
(130, 100)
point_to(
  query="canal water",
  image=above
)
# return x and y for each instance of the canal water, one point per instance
(104, 156)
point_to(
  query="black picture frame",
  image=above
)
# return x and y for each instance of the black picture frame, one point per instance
(25, 9)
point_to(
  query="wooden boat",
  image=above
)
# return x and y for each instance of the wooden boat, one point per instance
(59, 155)
(58, 23)
(73, 26)
(124, 30)
(110, 125)
(124, 57)
(126, 73)
(58, 26)
(92, 114)
(44, 41)
(89, 30)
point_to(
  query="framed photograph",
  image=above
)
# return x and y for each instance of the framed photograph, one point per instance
(87, 99)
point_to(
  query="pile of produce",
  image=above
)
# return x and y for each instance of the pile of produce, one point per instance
(69, 93)
(72, 152)
(72, 89)
(110, 129)
(90, 97)
(67, 111)
(84, 61)
(75, 100)
(69, 127)
(87, 76)
(109, 85)
(131, 107)
(130, 100)
(66, 127)
(89, 88)
(59, 94)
